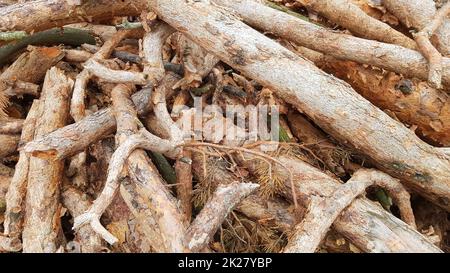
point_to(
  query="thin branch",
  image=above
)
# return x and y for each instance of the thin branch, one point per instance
(205, 225)
(322, 212)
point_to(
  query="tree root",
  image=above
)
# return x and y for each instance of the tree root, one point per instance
(323, 212)
(225, 198)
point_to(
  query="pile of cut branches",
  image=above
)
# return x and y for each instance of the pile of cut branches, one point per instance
(224, 126)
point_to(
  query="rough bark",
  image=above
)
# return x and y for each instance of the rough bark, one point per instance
(15, 198)
(395, 58)
(20, 88)
(317, 141)
(76, 137)
(183, 170)
(30, 67)
(329, 102)
(417, 14)
(44, 14)
(76, 56)
(412, 101)
(162, 205)
(77, 202)
(423, 40)
(42, 218)
(365, 224)
(273, 212)
(13, 126)
(350, 16)
(77, 106)
(9, 144)
(224, 199)
(149, 186)
(114, 76)
(322, 212)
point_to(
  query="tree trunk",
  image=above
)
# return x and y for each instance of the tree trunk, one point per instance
(329, 102)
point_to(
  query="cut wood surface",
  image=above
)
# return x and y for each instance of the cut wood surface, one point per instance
(350, 16)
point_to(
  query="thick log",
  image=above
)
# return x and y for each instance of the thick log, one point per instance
(15, 198)
(350, 16)
(44, 14)
(9, 144)
(329, 102)
(42, 218)
(395, 58)
(74, 138)
(224, 199)
(366, 224)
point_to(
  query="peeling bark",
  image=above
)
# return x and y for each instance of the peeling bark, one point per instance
(15, 198)
(214, 213)
(76, 137)
(395, 58)
(42, 219)
(329, 102)
(417, 14)
(44, 14)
